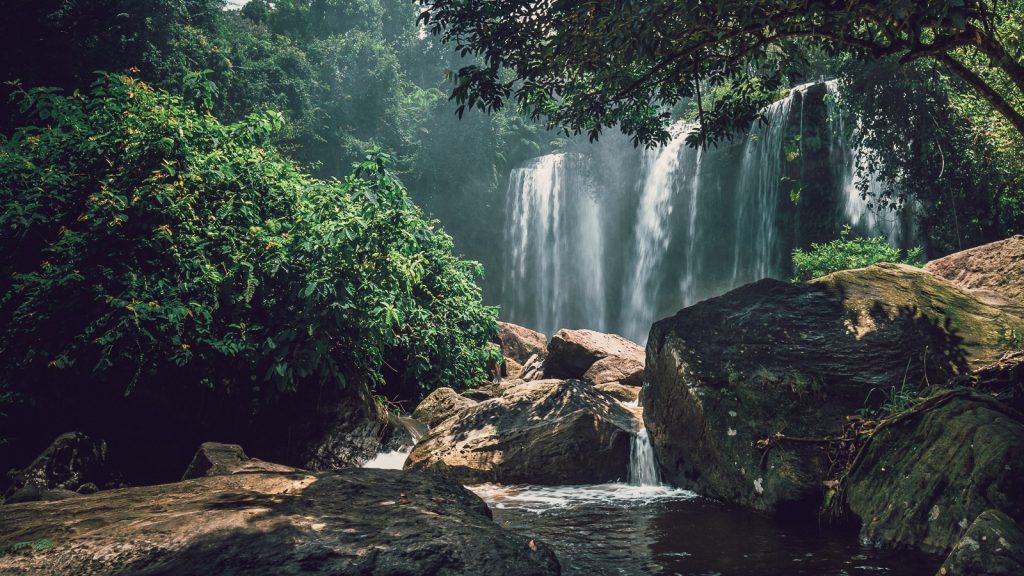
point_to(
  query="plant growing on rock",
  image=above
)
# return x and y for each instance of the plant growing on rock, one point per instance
(148, 244)
(846, 253)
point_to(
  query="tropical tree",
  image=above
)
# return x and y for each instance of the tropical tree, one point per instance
(588, 65)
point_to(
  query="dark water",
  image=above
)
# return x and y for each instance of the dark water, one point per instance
(623, 530)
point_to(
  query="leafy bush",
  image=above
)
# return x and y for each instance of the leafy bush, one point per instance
(145, 241)
(846, 253)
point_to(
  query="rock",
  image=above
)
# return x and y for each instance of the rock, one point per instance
(216, 459)
(572, 352)
(518, 343)
(624, 370)
(922, 480)
(795, 359)
(543, 432)
(997, 268)
(513, 369)
(73, 459)
(619, 392)
(992, 546)
(440, 405)
(351, 522)
(1003, 379)
(33, 493)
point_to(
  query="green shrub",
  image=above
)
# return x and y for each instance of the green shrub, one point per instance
(145, 241)
(846, 253)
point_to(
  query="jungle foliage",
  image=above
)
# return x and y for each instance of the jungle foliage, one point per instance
(147, 242)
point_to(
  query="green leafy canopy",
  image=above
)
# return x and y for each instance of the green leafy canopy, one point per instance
(145, 241)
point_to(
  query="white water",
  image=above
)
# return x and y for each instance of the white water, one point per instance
(395, 459)
(540, 499)
(611, 238)
(643, 466)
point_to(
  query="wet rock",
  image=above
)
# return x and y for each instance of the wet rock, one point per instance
(992, 546)
(352, 522)
(572, 352)
(543, 432)
(519, 343)
(619, 392)
(793, 360)
(628, 371)
(996, 268)
(72, 460)
(440, 405)
(922, 480)
(216, 459)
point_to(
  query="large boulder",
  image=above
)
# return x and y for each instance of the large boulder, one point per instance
(572, 352)
(217, 459)
(923, 479)
(742, 389)
(356, 522)
(992, 546)
(72, 461)
(996, 268)
(440, 405)
(542, 432)
(519, 343)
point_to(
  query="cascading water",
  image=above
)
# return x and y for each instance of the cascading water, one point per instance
(609, 238)
(643, 466)
(552, 204)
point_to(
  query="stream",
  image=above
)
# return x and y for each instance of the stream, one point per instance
(619, 529)
(644, 528)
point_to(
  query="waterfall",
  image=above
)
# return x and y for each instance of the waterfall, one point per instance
(395, 459)
(553, 231)
(643, 466)
(609, 238)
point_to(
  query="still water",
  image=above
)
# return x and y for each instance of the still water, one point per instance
(619, 529)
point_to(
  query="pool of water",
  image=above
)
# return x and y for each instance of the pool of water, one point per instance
(618, 529)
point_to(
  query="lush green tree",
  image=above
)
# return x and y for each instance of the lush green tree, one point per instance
(146, 243)
(584, 66)
(928, 145)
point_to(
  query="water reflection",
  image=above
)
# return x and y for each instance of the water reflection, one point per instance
(618, 529)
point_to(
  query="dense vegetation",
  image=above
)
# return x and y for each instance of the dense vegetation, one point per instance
(144, 239)
(847, 253)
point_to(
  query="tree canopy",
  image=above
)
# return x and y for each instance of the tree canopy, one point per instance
(587, 65)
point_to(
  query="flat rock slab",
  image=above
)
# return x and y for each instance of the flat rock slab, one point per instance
(353, 522)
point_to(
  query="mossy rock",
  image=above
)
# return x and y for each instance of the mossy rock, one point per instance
(774, 358)
(922, 481)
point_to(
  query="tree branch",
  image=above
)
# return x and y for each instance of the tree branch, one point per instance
(977, 83)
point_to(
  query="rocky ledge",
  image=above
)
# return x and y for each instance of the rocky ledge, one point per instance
(356, 522)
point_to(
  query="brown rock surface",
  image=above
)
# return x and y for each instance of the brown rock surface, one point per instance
(572, 352)
(628, 371)
(352, 522)
(543, 432)
(216, 459)
(995, 267)
(440, 405)
(519, 343)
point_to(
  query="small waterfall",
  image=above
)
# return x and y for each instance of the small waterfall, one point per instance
(395, 459)
(643, 467)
